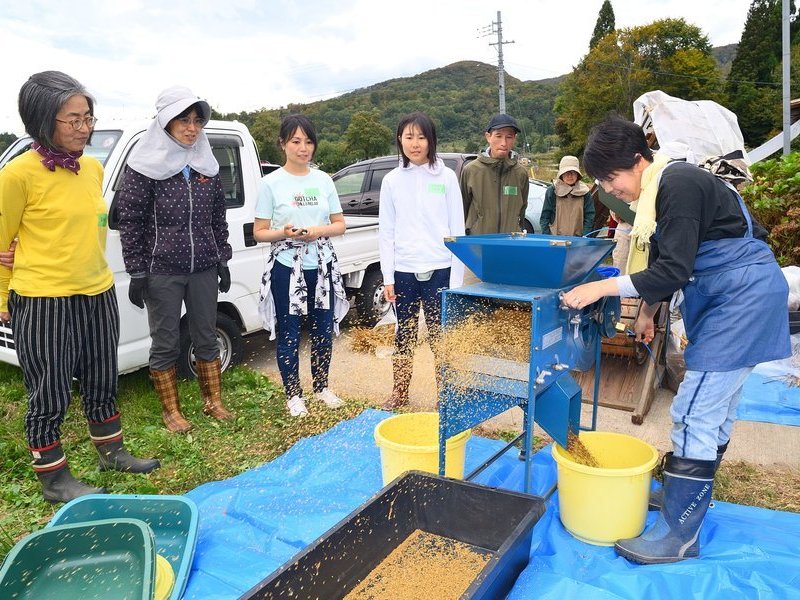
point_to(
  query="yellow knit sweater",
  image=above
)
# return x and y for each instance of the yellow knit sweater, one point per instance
(60, 219)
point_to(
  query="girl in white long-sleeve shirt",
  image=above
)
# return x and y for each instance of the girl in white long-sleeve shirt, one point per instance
(420, 205)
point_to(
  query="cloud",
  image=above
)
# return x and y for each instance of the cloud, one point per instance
(249, 54)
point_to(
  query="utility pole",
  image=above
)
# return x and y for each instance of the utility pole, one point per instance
(787, 110)
(497, 28)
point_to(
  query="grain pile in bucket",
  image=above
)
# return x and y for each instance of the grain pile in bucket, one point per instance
(580, 453)
(424, 565)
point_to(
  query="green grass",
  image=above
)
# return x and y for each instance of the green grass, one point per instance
(262, 429)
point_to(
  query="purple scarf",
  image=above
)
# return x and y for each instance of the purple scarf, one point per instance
(67, 160)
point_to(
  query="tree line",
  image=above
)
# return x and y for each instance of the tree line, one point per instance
(620, 64)
(671, 54)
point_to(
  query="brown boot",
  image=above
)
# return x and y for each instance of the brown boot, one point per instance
(209, 375)
(402, 368)
(166, 384)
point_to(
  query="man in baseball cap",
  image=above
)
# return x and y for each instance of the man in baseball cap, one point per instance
(501, 121)
(494, 187)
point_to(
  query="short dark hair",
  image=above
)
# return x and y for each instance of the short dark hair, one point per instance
(292, 123)
(612, 146)
(40, 99)
(428, 129)
(196, 107)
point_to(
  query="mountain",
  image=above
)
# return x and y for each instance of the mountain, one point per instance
(724, 56)
(461, 98)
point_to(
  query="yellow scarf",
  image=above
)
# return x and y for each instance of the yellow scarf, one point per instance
(644, 225)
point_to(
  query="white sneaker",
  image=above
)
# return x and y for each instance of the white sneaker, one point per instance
(297, 407)
(330, 399)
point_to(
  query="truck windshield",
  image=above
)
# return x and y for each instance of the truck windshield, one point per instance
(102, 143)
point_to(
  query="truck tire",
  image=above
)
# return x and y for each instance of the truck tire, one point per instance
(370, 303)
(229, 339)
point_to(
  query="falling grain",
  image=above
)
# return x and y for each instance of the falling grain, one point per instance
(580, 453)
(365, 340)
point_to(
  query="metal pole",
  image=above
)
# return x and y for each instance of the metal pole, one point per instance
(500, 70)
(497, 27)
(787, 136)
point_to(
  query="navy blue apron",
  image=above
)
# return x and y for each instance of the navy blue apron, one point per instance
(735, 304)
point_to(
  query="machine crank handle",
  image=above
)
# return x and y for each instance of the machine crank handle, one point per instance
(558, 365)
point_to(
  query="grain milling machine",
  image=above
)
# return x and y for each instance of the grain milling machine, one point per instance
(525, 273)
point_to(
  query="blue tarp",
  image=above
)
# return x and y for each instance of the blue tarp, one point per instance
(253, 523)
(770, 400)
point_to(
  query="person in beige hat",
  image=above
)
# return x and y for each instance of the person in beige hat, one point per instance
(568, 205)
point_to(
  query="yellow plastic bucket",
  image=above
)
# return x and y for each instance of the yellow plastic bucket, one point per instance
(410, 442)
(600, 505)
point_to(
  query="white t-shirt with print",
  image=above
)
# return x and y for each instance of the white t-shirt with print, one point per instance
(302, 200)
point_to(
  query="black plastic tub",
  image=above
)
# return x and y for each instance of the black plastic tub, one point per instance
(494, 520)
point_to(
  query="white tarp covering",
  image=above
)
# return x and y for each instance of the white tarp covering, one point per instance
(707, 128)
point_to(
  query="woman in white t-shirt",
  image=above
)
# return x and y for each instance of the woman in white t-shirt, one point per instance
(298, 211)
(420, 206)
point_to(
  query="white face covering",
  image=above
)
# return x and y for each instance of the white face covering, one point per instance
(158, 155)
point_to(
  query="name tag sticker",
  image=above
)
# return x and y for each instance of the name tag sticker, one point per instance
(102, 219)
(436, 188)
(311, 192)
(510, 190)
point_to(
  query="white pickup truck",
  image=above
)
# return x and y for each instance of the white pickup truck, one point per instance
(237, 313)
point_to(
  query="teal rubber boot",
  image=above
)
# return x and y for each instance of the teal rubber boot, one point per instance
(657, 496)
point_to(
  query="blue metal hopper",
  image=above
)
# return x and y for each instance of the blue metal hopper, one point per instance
(540, 261)
(527, 273)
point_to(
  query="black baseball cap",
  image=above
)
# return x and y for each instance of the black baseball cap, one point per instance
(502, 120)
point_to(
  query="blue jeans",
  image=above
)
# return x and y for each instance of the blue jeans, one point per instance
(412, 293)
(704, 410)
(289, 331)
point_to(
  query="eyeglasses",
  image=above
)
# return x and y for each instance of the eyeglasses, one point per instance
(186, 121)
(77, 124)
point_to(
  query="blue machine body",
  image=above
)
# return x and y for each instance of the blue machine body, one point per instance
(526, 272)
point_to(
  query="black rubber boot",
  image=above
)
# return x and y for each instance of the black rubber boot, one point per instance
(107, 438)
(675, 535)
(58, 484)
(657, 496)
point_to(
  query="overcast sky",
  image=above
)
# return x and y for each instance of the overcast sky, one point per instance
(251, 54)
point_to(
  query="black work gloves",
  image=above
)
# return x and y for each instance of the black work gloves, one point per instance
(137, 289)
(224, 274)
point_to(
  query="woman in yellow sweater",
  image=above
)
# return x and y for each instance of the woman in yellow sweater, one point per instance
(59, 296)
